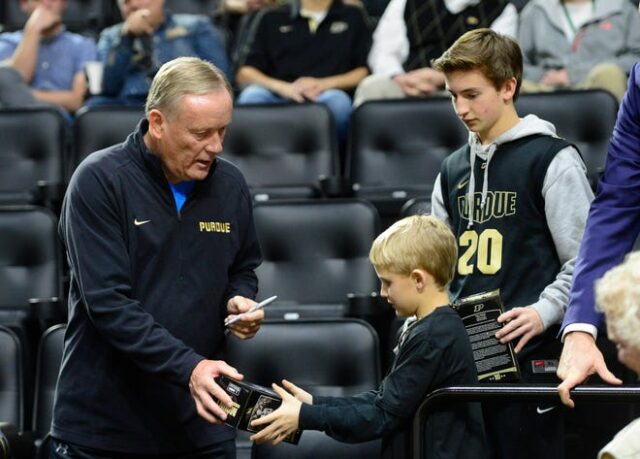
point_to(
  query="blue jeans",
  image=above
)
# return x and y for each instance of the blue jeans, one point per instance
(337, 101)
(63, 450)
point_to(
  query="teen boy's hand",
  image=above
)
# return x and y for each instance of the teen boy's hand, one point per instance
(520, 322)
(282, 422)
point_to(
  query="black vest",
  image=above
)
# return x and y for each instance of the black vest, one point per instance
(509, 245)
(432, 29)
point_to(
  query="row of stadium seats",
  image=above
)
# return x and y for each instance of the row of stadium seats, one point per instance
(291, 151)
(315, 259)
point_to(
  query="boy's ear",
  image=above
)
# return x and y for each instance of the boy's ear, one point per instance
(509, 89)
(419, 278)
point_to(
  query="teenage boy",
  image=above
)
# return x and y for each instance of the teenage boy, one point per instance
(517, 198)
(414, 260)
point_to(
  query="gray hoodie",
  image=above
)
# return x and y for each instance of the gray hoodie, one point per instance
(567, 196)
(611, 36)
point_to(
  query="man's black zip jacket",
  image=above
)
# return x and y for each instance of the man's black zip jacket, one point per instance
(149, 287)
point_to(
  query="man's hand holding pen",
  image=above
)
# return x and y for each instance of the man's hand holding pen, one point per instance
(242, 321)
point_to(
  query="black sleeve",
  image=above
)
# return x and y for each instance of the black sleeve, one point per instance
(257, 56)
(337, 401)
(377, 414)
(362, 40)
(92, 227)
(347, 419)
(242, 277)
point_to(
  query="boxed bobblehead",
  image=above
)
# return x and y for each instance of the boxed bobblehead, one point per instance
(495, 362)
(250, 402)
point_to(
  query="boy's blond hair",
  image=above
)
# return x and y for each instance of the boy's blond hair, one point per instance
(417, 242)
(618, 297)
(498, 57)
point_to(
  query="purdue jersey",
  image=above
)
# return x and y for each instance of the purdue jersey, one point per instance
(509, 245)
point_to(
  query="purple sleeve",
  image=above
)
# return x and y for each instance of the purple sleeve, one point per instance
(614, 217)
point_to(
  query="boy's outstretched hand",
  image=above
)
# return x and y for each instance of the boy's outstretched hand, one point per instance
(283, 421)
(300, 394)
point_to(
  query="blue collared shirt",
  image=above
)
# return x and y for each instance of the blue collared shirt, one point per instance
(60, 58)
(131, 63)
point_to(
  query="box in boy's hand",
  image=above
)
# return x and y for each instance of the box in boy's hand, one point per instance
(494, 361)
(250, 402)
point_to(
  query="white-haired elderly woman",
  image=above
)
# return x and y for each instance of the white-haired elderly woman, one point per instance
(618, 297)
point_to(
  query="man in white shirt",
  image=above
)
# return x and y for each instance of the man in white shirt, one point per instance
(412, 32)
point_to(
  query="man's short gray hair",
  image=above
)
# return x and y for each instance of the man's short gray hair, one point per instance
(182, 76)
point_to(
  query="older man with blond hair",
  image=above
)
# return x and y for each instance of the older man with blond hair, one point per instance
(150, 289)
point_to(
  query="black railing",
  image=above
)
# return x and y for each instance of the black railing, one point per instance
(514, 393)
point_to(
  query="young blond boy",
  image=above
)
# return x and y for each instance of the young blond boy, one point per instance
(517, 199)
(414, 260)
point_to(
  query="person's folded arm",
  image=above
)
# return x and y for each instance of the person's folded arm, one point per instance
(25, 56)
(70, 100)
(532, 71)
(247, 75)
(210, 47)
(390, 47)
(347, 80)
(115, 51)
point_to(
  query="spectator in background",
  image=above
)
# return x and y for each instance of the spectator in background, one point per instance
(134, 50)
(412, 32)
(43, 63)
(580, 44)
(618, 297)
(309, 51)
